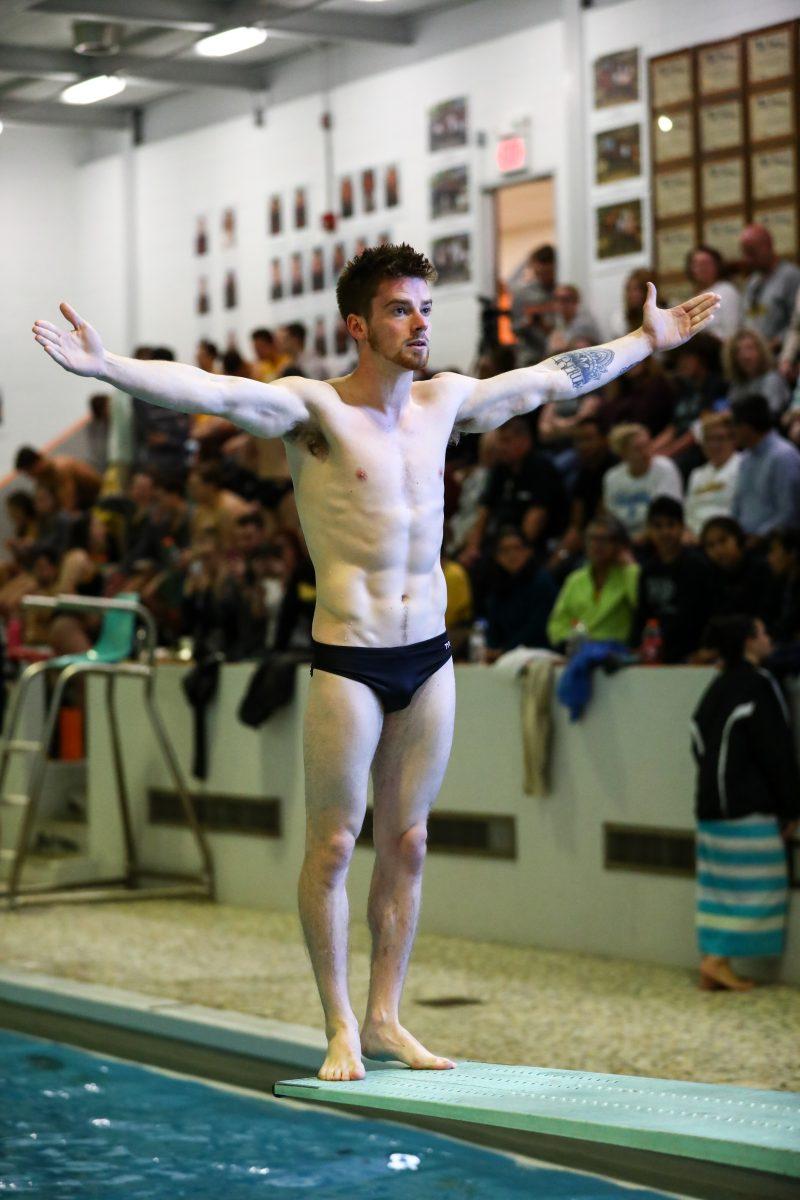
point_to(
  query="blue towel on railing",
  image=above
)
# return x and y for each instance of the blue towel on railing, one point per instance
(574, 688)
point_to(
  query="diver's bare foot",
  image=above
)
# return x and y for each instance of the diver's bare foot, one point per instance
(390, 1041)
(343, 1060)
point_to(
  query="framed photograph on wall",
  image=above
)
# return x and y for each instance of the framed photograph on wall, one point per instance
(297, 283)
(673, 243)
(276, 279)
(300, 207)
(384, 238)
(618, 154)
(451, 257)
(341, 338)
(321, 337)
(275, 215)
(317, 269)
(772, 114)
(346, 196)
(769, 55)
(228, 228)
(201, 236)
(448, 124)
(361, 244)
(673, 136)
(230, 290)
(719, 68)
(449, 192)
(202, 303)
(391, 186)
(338, 259)
(674, 193)
(671, 80)
(721, 126)
(781, 221)
(772, 172)
(368, 197)
(619, 229)
(616, 78)
(722, 181)
(723, 234)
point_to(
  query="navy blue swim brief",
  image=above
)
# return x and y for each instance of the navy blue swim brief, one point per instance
(393, 672)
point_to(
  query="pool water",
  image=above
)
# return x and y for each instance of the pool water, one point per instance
(79, 1125)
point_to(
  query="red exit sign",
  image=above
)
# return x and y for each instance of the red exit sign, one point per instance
(511, 154)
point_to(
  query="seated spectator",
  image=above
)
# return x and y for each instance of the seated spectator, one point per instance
(291, 341)
(21, 513)
(296, 612)
(54, 526)
(75, 483)
(644, 395)
(711, 488)
(43, 582)
(524, 490)
(268, 362)
(519, 597)
(214, 506)
(532, 309)
(165, 530)
(571, 321)
(460, 610)
(471, 479)
(790, 348)
(675, 587)
(214, 611)
(701, 386)
(741, 581)
(159, 434)
(599, 597)
(750, 371)
(767, 494)
(705, 272)
(98, 431)
(771, 287)
(594, 461)
(207, 356)
(783, 557)
(634, 293)
(629, 488)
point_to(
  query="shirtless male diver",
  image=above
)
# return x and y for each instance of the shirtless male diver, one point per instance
(367, 454)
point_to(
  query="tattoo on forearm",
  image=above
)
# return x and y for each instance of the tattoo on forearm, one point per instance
(584, 366)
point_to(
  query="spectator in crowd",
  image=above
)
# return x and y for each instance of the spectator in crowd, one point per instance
(638, 479)
(43, 582)
(165, 530)
(297, 360)
(21, 513)
(741, 581)
(555, 431)
(519, 596)
(524, 490)
(790, 348)
(460, 609)
(235, 364)
(767, 493)
(268, 362)
(98, 431)
(471, 478)
(783, 557)
(214, 609)
(771, 287)
(698, 375)
(571, 321)
(711, 487)
(675, 587)
(159, 434)
(75, 483)
(644, 395)
(594, 461)
(215, 507)
(207, 356)
(532, 309)
(747, 796)
(705, 271)
(750, 371)
(634, 294)
(296, 612)
(599, 597)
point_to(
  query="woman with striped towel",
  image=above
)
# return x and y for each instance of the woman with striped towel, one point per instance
(747, 805)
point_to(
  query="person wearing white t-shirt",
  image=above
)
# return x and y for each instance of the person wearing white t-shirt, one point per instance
(709, 492)
(642, 475)
(704, 264)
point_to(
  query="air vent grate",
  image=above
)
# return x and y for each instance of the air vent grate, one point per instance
(655, 851)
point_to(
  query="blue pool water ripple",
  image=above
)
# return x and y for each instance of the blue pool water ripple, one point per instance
(75, 1126)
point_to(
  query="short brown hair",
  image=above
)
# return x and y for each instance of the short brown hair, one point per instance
(361, 278)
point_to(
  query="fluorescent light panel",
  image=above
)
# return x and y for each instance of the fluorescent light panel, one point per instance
(230, 41)
(89, 91)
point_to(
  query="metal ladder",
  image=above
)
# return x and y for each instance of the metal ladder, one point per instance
(128, 885)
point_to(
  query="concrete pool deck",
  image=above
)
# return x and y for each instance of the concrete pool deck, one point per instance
(525, 1006)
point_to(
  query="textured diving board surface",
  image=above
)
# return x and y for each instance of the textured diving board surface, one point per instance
(733, 1125)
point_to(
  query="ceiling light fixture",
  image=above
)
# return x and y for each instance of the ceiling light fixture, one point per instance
(89, 91)
(230, 41)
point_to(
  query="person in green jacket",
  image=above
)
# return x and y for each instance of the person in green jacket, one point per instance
(599, 598)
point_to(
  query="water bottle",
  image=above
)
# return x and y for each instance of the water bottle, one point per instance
(652, 646)
(477, 642)
(579, 635)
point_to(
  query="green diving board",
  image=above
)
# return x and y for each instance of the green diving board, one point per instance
(736, 1126)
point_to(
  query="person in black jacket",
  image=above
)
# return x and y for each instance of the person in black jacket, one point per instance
(747, 804)
(741, 580)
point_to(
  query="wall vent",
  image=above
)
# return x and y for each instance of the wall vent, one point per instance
(218, 812)
(643, 848)
(478, 834)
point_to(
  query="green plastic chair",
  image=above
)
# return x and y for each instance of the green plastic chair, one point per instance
(114, 642)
